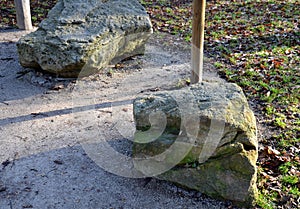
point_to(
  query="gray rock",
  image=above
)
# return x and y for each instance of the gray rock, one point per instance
(82, 37)
(202, 137)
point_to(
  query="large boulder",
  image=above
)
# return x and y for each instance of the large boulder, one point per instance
(202, 137)
(85, 36)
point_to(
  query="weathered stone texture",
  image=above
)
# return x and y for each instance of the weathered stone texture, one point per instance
(85, 36)
(215, 134)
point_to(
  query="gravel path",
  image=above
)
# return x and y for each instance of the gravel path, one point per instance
(51, 130)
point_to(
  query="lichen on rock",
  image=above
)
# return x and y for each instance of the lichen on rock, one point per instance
(208, 141)
(82, 37)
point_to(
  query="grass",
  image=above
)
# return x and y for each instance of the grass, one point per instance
(39, 10)
(256, 44)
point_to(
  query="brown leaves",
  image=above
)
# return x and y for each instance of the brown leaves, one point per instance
(270, 158)
(258, 46)
(270, 151)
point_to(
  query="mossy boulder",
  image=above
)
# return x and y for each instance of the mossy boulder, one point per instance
(202, 137)
(82, 37)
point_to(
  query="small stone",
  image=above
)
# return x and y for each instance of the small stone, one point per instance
(2, 187)
(27, 206)
(58, 86)
(5, 163)
(58, 162)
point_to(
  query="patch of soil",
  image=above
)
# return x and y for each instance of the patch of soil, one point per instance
(54, 132)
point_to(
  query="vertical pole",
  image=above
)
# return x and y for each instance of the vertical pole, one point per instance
(198, 40)
(23, 14)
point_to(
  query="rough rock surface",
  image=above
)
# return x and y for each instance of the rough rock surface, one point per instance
(202, 137)
(81, 37)
(40, 136)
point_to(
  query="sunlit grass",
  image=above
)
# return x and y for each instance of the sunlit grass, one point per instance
(256, 44)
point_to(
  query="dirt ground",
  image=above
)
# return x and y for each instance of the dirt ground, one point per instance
(52, 132)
